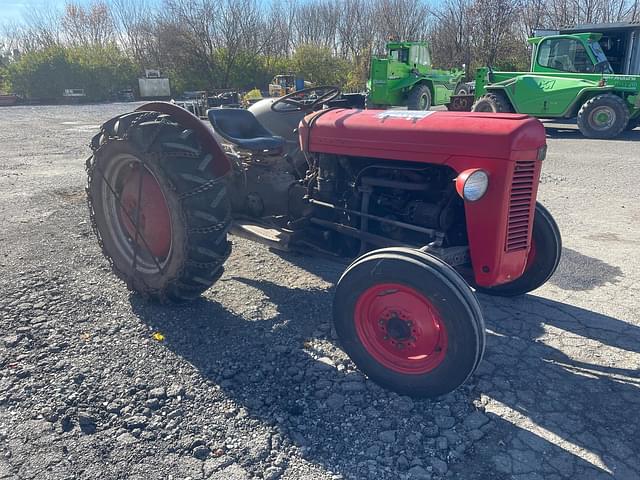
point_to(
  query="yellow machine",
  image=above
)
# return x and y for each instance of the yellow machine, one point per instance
(281, 85)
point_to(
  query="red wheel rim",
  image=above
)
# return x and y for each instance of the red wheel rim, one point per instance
(400, 328)
(142, 202)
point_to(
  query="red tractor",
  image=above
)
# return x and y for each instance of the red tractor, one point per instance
(428, 203)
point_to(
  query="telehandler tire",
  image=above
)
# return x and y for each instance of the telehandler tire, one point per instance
(543, 259)
(604, 116)
(419, 98)
(160, 214)
(496, 102)
(461, 89)
(409, 322)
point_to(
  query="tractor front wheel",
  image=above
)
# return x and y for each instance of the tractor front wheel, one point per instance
(543, 259)
(603, 116)
(496, 102)
(409, 322)
(160, 213)
(419, 98)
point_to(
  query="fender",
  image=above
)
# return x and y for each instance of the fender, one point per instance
(221, 165)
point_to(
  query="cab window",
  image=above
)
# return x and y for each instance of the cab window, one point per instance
(420, 56)
(564, 54)
(400, 55)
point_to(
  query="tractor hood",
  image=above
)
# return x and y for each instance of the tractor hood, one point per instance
(421, 136)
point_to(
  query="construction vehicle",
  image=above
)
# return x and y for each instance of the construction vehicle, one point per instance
(405, 77)
(421, 200)
(283, 84)
(620, 43)
(570, 77)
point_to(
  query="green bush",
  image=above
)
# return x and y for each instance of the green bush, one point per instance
(45, 74)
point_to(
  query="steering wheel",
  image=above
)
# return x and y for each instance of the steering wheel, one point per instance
(306, 99)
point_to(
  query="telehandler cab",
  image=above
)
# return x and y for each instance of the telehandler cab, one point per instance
(570, 77)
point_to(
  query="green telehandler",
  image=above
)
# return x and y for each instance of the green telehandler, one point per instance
(570, 77)
(405, 77)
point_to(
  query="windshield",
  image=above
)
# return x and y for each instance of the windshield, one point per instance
(600, 56)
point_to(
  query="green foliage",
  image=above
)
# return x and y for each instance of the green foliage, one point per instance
(44, 74)
(247, 70)
(318, 65)
(101, 70)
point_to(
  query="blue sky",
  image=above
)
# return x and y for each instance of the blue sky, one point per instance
(14, 9)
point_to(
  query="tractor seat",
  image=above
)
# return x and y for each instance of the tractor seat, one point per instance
(241, 128)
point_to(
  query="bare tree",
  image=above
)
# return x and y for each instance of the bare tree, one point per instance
(91, 25)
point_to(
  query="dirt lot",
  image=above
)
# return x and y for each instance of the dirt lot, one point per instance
(249, 381)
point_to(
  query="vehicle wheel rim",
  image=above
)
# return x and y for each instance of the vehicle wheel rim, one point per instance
(135, 199)
(602, 118)
(423, 102)
(400, 328)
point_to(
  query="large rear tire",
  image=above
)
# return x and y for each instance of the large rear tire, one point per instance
(419, 98)
(496, 102)
(603, 116)
(160, 214)
(409, 322)
(543, 259)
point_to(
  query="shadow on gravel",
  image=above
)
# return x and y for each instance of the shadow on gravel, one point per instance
(581, 272)
(562, 131)
(542, 370)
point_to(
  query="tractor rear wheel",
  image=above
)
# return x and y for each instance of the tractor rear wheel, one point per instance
(496, 102)
(419, 98)
(603, 116)
(160, 213)
(544, 257)
(409, 322)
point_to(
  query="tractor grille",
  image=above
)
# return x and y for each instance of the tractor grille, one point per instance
(520, 198)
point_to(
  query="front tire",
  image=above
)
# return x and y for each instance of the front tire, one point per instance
(461, 89)
(419, 98)
(409, 322)
(160, 214)
(496, 102)
(603, 116)
(543, 259)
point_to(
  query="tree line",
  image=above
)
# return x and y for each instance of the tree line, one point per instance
(241, 44)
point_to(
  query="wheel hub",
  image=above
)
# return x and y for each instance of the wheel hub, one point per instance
(603, 118)
(144, 212)
(400, 328)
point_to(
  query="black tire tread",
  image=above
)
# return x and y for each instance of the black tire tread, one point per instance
(413, 99)
(583, 116)
(178, 155)
(498, 102)
(452, 275)
(447, 276)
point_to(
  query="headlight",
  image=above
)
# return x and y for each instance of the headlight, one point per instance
(472, 184)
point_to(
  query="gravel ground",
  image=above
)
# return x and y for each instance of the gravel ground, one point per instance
(248, 382)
